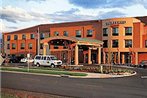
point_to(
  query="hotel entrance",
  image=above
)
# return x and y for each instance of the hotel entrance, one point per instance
(73, 50)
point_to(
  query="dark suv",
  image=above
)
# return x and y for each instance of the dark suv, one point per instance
(143, 64)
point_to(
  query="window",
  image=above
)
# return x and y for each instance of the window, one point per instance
(56, 47)
(23, 36)
(15, 37)
(8, 38)
(128, 43)
(105, 31)
(13, 46)
(78, 33)
(146, 43)
(105, 45)
(115, 31)
(56, 33)
(41, 46)
(38, 57)
(128, 30)
(114, 43)
(89, 33)
(42, 36)
(30, 46)
(32, 36)
(8, 46)
(22, 45)
(65, 33)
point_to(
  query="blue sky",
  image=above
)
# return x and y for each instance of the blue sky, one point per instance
(18, 14)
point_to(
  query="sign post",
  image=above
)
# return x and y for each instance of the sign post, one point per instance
(28, 58)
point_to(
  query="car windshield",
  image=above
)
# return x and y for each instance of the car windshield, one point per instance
(53, 58)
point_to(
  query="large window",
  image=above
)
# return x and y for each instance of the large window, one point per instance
(56, 33)
(22, 45)
(105, 45)
(15, 37)
(56, 47)
(78, 33)
(13, 46)
(105, 31)
(146, 43)
(65, 33)
(128, 43)
(128, 30)
(8, 38)
(30, 46)
(42, 36)
(89, 33)
(8, 46)
(32, 36)
(114, 43)
(23, 36)
(115, 31)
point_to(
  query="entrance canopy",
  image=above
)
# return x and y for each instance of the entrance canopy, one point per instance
(77, 40)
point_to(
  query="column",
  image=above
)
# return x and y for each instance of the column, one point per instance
(99, 55)
(104, 57)
(123, 58)
(76, 55)
(89, 56)
(118, 57)
(44, 48)
(136, 58)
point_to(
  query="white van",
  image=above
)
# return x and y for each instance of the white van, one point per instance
(47, 60)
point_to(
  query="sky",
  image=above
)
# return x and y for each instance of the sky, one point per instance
(19, 14)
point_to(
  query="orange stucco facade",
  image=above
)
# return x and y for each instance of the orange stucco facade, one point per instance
(124, 39)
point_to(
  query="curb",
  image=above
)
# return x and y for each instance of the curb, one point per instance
(89, 75)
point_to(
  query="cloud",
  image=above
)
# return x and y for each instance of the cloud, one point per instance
(111, 14)
(103, 3)
(14, 15)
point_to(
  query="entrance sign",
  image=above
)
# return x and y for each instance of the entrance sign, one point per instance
(115, 22)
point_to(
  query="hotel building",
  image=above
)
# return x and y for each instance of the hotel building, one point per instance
(115, 40)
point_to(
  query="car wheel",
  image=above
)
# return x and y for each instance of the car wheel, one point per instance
(37, 64)
(52, 65)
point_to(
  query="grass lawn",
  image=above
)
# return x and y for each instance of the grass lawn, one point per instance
(5, 95)
(44, 71)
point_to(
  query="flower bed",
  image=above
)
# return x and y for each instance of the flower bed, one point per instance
(97, 69)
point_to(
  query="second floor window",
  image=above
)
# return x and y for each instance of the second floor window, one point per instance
(128, 43)
(128, 30)
(30, 46)
(114, 43)
(42, 36)
(13, 46)
(15, 37)
(65, 33)
(32, 36)
(23, 36)
(146, 43)
(22, 45)
(56, 33)
(105, 45)
(115, 31)
(8, 46)
(89, 33)
(78, 33)
(8, 38)
(105, 31)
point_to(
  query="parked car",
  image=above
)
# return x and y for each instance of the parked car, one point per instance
(143, 64)
(25, 60)
(47, 60)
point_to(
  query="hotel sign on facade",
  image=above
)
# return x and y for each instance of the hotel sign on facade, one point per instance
(114, 22)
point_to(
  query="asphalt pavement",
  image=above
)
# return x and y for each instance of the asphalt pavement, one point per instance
(124, 87)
